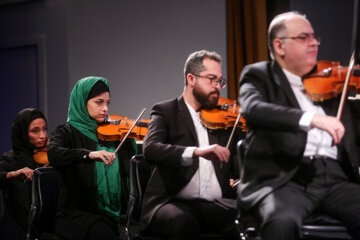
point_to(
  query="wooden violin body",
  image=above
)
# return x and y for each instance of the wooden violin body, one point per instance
(222, 116)
(40, 155)
(329, 81)
(118, 126)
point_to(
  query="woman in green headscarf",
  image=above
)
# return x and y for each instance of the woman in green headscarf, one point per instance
(94, 184)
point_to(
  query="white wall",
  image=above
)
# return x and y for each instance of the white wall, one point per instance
(141, 46)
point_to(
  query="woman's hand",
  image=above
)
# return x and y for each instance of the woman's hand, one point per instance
(25, 172)
(104, 156)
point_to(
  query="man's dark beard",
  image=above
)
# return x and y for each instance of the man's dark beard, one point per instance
(204, 99)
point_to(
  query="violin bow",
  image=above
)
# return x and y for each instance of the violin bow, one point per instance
(237, 181)
(346, 84)
(127, 134)
(233, 130)
(232, 133)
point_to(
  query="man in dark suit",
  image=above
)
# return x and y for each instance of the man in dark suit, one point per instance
(298, 157)
(192, 167)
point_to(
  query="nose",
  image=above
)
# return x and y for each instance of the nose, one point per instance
(315, 41)
(105, 108)
(43, 134)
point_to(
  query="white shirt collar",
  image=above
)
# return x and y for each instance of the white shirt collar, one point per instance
(192, 111)
(294, 80)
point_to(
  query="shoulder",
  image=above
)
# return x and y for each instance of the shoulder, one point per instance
(258, 65)
(62, 130)
(7, 161)
(66, 129)
(165, 106)
(7, 156)
(65, 133)
(259, 68)
(166, 103)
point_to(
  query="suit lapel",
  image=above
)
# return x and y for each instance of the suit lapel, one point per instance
(330, 106)
(281, 80)
(185, 116)
(214, 138)
(186, 119)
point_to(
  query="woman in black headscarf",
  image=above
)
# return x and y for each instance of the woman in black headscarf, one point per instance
(29, 134)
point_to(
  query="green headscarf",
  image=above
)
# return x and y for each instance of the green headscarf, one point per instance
(107, 179)
(78, 115)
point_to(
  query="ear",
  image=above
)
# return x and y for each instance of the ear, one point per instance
(190, 79)
(279, 47)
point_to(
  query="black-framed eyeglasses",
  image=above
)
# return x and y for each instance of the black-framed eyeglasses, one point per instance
(305, 38)
(214, 80)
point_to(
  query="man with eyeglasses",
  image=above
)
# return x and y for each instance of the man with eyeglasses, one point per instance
(189, 191)
(298, 157)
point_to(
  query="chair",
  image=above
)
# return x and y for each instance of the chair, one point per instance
(2, 203)
(140, 171)
(45, 191)
(317, 226)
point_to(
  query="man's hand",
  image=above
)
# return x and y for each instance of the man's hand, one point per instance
(213, 152)
(329, 124)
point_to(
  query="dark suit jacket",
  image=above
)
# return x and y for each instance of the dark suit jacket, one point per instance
(170, 131)
(275, 143)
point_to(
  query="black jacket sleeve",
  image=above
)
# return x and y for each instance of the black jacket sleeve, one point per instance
(61, 151)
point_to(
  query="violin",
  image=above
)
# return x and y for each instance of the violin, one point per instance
(40, 155)
(226, 114)
(117, 127)
(328, 81)
(223, 116)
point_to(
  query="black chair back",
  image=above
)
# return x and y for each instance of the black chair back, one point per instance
(139, 175)
(45, 191)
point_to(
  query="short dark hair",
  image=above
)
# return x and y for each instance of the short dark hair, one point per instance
(194, 63)
(277, 26)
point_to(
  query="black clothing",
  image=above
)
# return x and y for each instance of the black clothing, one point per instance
(17, 193)
(98, 88)
(278, 181)
(68, 153)
(17, 199)
(170, 131)
(23, 149)
(182, 219)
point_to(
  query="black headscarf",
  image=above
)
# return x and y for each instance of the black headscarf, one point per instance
(23, 149)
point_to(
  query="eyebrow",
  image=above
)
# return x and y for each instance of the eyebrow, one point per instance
(211, 74)
(306, 33)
